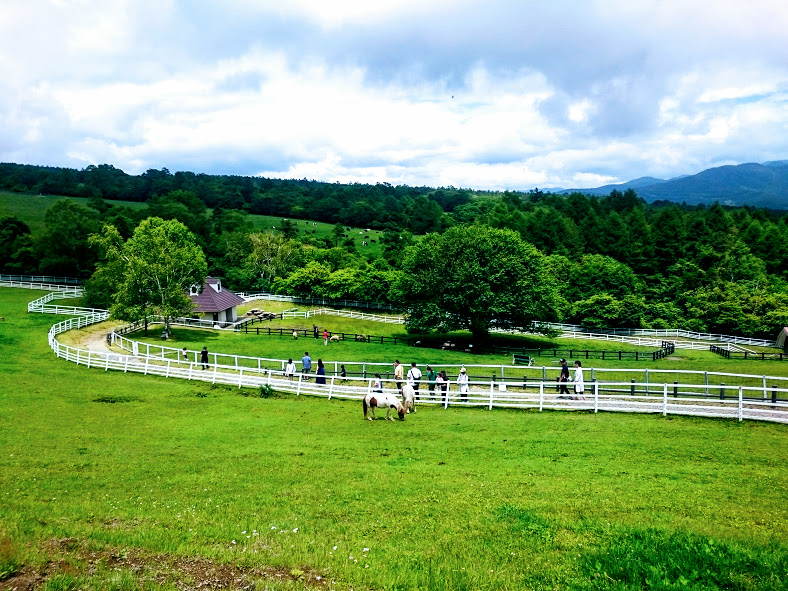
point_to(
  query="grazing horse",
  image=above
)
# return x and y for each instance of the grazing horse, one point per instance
(375, 400)
(408, 397)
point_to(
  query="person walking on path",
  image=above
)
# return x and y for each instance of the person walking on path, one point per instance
(290, 369)
(399, 374)
(204, 357)
(414, 377)
(462, 380)
(563, 380)
(321, 373)
(578, 380)
(431, 375)
(306, 365)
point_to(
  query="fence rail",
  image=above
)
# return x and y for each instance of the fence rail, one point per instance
(660, 333)
(316, 301)
(60, 281)
(748, 355)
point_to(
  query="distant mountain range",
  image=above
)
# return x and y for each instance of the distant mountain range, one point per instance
(759, 185)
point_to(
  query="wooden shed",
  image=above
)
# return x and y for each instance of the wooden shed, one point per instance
(215, 303)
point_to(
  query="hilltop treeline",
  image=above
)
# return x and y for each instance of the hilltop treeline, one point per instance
(618, 260)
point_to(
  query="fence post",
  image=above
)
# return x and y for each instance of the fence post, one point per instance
(298, 388)
(764, 387)
(741, 405)
(632, 388)
(492, 392)
(541, 395)
(331, 387)
(596, 396)
(675, 389)
(240, 377)
(722, 390)
(665, 400)
(774, 393)
(706, 381)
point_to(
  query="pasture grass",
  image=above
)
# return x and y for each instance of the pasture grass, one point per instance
(121, 481)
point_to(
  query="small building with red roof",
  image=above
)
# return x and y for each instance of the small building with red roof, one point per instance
(214, 303)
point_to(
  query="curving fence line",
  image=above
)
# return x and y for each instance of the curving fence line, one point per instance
(753, 398)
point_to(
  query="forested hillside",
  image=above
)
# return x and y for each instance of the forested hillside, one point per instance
(613, 260)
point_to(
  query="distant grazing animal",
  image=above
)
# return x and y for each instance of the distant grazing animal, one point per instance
(361, 337)
(334, 338)
(408, 397)
(375, 400)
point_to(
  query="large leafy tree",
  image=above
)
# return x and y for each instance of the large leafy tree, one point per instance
(476, 278)
(153, 270)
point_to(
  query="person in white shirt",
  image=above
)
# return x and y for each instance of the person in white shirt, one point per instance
(578, 381)
(414, 377)
(462, 380)
(290, 369)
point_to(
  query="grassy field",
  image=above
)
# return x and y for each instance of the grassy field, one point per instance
(115, 481)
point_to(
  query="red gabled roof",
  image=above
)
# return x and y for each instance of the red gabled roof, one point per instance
(211, 300)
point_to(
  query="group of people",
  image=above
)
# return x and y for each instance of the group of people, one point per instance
(436, 381)
(577, 380)
(306, 369)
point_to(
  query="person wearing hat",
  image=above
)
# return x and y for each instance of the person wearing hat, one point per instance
(462, 380)
(563, 379)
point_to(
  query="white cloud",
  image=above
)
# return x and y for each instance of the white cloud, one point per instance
(498, 94)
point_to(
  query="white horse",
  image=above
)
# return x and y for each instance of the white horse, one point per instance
(408, 397)
(375, 400)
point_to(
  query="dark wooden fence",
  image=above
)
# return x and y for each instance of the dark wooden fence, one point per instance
(750, 356)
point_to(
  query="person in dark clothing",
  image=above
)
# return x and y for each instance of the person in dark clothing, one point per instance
(321, 373)
(204, 357)
(563, 380)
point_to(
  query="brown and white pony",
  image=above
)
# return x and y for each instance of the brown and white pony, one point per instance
(408, 397)
(375, 400)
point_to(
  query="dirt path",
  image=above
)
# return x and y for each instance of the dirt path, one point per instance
(93, 337)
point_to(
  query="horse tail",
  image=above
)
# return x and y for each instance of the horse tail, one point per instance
(366, 408)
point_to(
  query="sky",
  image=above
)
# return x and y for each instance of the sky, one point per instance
(493, 94)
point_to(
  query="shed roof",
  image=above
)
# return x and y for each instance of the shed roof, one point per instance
(214, 298)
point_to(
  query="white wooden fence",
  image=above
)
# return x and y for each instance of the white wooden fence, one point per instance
(749, 397)
(344, 314)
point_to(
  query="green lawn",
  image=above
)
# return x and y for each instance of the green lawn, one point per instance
(31, 209)
(182, 485)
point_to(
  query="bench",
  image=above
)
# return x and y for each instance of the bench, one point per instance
(522, 360)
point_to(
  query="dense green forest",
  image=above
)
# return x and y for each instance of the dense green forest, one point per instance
(615, 261)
